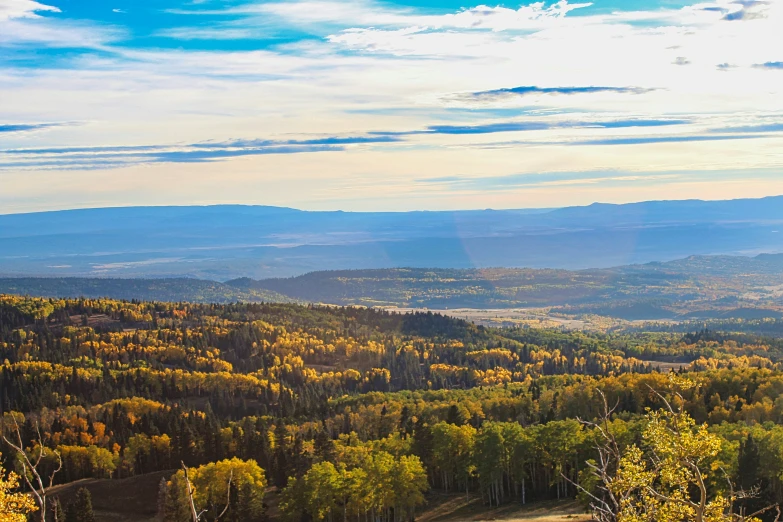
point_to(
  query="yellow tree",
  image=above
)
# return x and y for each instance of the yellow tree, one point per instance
(669, 482)
(667, 478)
(14, 507)
(206, 490)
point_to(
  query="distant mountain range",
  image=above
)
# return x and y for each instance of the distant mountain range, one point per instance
(699, 286)
(227, 242)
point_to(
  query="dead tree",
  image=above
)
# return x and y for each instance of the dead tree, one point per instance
(30, 466)
(604, 503)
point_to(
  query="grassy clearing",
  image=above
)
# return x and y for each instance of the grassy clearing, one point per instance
(133, 499)
(452, 508)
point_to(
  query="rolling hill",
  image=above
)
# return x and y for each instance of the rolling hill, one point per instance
(699, 286)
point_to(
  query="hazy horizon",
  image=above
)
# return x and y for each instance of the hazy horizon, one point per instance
(382, 211)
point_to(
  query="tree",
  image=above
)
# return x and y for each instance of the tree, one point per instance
(176, 507)
(489, 461)
(162, 498)
(749, 476)
(666, 478)
(31, 462)
(58, 511)
(321, 490)
(205, 492)
(14, 506)
(80, 509)
(452, 451)
(409, 482)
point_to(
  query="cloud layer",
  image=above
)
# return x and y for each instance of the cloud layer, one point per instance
(222, 102)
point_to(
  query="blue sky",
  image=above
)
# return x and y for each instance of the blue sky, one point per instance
(368, 105)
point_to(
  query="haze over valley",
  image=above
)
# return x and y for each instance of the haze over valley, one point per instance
(228, 242)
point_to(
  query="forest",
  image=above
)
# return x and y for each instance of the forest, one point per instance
(291, 412)
(698, 287)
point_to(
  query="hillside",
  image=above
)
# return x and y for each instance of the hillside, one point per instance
(192, 290)
(716, 283)
(228, 242)
(709, 287)
(303, 406)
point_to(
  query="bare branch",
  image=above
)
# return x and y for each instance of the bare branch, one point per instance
(228, 496)
(36, 483)
(196, 515)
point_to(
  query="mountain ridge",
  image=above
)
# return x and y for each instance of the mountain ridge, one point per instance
(230, 241)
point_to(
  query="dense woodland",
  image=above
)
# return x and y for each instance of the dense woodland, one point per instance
(355, 414)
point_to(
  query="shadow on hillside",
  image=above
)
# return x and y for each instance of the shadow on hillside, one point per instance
(453, 508)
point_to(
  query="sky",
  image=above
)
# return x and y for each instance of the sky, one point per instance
(364, 105)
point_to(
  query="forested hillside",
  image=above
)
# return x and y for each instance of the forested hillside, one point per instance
(709, 287)
(287, 411)
(696, 281)
(191, 290)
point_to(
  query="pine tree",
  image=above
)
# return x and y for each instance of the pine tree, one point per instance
(58, 511)
(323, 446)
(748, 477)
(163, 491)
(174, 507)
(80, 508)
(748, 464)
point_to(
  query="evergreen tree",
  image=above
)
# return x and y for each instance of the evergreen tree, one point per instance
(80, 508)
(323, 446)
(174, 507)
(749, 477)
(58, 511)
(162, 494)
(748, 464)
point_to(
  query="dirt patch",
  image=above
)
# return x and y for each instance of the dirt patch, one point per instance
(663, 366)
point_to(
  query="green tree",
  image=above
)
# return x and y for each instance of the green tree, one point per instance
(321, 486)
(489, 456)
(409, 482)
(80, 508)
(452, 453)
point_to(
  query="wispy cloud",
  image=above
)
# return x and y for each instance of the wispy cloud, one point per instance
(618, 141)
(604, 178)
(769, 65)
(533, 179)
(514, 92)
(26, 127)
(745, 10)
(663, 139)
(765, 127)
(89, 157)
(360, 13)
(541, 125)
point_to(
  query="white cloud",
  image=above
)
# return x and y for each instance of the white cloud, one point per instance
(364, 13)
(21, 23)
(22, 9)
(382, 68)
